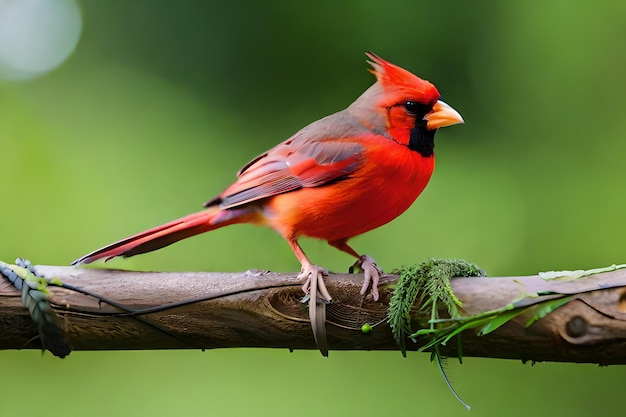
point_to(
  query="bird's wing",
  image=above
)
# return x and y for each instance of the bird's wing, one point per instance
(290, 166)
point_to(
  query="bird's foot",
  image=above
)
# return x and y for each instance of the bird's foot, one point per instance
(371, 273)
(317, 296)
(313, 278)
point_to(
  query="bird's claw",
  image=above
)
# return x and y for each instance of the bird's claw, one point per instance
(317, 273)
(371, 274)
(317, 296)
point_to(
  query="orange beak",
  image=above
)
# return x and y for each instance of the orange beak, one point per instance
(442, 115)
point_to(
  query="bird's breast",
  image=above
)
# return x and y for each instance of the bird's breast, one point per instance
(388, 181)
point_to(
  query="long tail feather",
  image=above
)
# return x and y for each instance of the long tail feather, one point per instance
(166, 234)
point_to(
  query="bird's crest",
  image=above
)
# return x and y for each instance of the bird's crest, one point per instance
(399, 80)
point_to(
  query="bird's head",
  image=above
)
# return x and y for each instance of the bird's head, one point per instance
(403, 106)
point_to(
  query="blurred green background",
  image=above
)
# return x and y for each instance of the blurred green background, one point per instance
(162, 102)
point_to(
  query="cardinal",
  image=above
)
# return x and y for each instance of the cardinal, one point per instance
(337, 178)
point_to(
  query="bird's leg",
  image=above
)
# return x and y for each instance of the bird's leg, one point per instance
(365, 263)
(317, 295)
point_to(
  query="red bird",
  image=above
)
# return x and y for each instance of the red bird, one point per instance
(337, 178)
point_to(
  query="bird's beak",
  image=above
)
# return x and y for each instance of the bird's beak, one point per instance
(442, 115)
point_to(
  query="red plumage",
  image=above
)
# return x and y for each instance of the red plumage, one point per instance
(337, 178)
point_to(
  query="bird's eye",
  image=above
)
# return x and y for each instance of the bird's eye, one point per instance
(415, 108)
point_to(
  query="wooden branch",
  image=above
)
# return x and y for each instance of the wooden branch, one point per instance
(262, 309)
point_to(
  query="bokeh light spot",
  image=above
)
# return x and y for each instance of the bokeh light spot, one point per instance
(36, 36)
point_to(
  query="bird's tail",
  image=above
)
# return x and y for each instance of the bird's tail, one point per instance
(168, 233)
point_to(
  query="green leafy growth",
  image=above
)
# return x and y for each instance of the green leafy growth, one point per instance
(35, 297)
(546, 308)
(488, 321)
(431, 281)
(494, 322)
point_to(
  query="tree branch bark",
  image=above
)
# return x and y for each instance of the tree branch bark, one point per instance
(262, 309)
